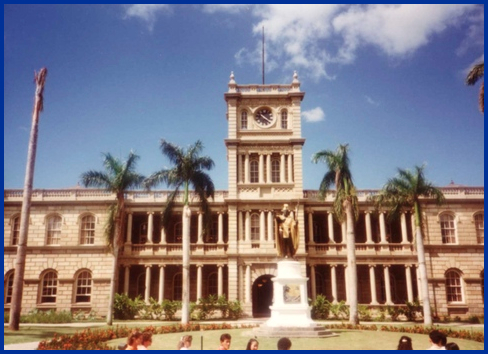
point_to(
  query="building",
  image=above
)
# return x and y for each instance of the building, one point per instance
(69, 267)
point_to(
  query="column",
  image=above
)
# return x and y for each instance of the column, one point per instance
(161, 283)
(310, 228)
(199, 282)
(163, 236)
(369, 233)
(408, 277)
(386, 269)
(261, 168)
(147, 292)
(382, 228)
(239, 168)
(248, 226)
(220, 272)
(246, 168)
(268, 168)
(221, 228)
(372, 284)
(330, 222)
(126, 279)
(270, 226)
(290, 168)
(240, 229)
(150, 226)
(282, 168)
(403, 221)
(333, 281)
(247, 294)
(262, 227)
(128, 237)
(200, 227)
(313, 283)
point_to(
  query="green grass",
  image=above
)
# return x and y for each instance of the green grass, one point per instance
(355, 340)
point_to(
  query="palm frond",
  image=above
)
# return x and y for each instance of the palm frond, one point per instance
(476, 73)
(168, 210)
(96, 179)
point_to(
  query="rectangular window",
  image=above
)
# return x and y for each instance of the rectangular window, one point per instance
(49, 288)
(54, 230)
(479, 221)
(448, 229)
(83, 287)
(87, 230)
(454, 288)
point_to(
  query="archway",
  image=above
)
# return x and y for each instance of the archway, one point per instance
(262, 296)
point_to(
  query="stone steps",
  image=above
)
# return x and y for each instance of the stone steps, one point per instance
(294, 332)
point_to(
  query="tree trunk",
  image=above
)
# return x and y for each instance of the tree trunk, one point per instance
(422, 268)
(352, 283)
(185, 300)
(18, 284)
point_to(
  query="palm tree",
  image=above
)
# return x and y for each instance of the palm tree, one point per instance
(188, 170)
(18, 285)
(475, 74)
(118, 177)
(405, 191)
(345, 207)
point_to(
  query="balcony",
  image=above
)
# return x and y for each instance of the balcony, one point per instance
(174, 249)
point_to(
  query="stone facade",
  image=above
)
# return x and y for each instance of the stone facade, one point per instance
(69, 266)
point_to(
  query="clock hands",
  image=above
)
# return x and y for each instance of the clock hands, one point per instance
(265, 118)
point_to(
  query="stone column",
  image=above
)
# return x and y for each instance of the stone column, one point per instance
(290, 168)
(330, 222)
(310, 227)
(150, 226)
(313, 283)
(161, 283)
(163, 236)
(239, 168)
(333, 281)
(247, 294)
(200, 227)
(270, 226)
(240, 230)
(369, 233)
(282, 168)
(221, 228)
(199, 282)
(246, 168)
(408, 277)
(403, 221)
(372, 284)
(126, 279)
(220, 272)
(128, 237)
(248, 226)
(268, 168)
(147, 292)
(262, 227)
(383, 228)
(386, 269)
(261, 168)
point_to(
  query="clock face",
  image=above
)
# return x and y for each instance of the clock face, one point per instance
(264, 117)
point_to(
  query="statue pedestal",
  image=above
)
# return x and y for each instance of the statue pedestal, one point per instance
(290, 312)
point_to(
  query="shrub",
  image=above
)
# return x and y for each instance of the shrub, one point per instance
(235, 310)
(170, 308)
(51, 316)
(364, 313)
(339, 310)
(126, 308)
(320, 308)
(474, 319)
(6, 317)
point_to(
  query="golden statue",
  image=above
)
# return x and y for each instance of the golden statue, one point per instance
(286, 233)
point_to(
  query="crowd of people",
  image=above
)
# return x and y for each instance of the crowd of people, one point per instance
(142, 340)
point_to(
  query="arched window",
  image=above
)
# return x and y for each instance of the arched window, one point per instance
(87, 230)
(479, 222)
(83, 287)
(53, 230)
(49, 287)
(212, 284)
(15, 231)
(177, 287)
(448, 228)
(243, 120)
(284, 119)
(254, 227)
(454, 287)
(275, 171)
(178, 232)
(254, 171)
(8, 284)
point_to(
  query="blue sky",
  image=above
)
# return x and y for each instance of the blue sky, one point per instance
(387, 79)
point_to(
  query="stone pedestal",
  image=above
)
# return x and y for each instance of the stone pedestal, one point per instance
(290, 312)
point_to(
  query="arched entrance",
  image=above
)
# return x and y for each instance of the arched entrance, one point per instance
(262, 296)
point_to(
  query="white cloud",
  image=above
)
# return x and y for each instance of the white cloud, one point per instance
(146, 12)
(311, 36)
(371, 101)
(314, 115)
(230, 8)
